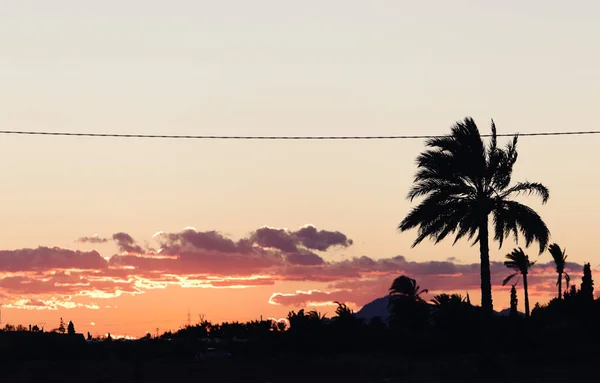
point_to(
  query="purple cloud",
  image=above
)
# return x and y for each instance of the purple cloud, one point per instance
(127, 244)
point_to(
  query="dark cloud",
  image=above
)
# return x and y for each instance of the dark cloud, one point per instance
(127, 244)
(275, 238)
(304, 258)
(191, 240)
(46, 258)
(307, 237)
(93, 239)
(321, 240)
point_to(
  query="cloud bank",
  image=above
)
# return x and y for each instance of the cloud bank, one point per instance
(49, 278)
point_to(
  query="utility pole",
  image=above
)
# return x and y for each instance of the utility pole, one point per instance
(189, 320)
(157, 333)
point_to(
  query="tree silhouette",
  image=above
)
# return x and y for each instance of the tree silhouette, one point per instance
(560, 258)
(315, 316)
(519, 262)
(407, 308)
(587, 284)
(71, 328)
(345, 317)
(404, 286)
(513, 302)
(463, 182)
(61, 327)
(441, 301)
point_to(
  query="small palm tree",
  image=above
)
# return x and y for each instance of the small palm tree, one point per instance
(464, 181)
(560, 259)
(519, 262)
(406, 306)
(343, 311)
(445, 300)
(315, 316)
(407, 287)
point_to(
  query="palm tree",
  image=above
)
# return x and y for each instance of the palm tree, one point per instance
(560, 259)
(315, 316)
(406, 306)
(519, 262)
(343, 312)
(407, 287)
(463, 182)
(444, 300)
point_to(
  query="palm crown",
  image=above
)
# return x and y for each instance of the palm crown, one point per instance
(560, 259)
(519, 262)
(407, 287)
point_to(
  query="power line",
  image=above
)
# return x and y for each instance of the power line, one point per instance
(216, 137)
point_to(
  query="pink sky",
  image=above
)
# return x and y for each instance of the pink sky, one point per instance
(268, 67)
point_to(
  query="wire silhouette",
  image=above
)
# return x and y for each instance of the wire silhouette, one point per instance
(218, 137)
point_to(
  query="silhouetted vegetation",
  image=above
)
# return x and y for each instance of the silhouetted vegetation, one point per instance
(446, 325)
(519, 262)
(463, 182)
(71, 328)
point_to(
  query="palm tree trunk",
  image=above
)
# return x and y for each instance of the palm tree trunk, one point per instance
(559, 286)
(486, 279)
(526, 296)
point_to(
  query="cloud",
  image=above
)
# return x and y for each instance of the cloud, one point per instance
(95, 239)
(266, 257)
(52, 304)
(360, 280)
(307, 237)
(305, 258)
(126, 244)
(306, 298)
(192, 240)
(321, 240)
(46, 258)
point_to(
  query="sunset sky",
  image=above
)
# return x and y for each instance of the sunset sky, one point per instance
(125, 236)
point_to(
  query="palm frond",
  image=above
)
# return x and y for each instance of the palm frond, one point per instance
(522, 219)
(507, 279)
(528, 188)
(559, 256)
(435, 217)
(519, 262)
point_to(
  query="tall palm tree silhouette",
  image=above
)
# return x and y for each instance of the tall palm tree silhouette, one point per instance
(560, 259)
(519, 262)
(463, 182)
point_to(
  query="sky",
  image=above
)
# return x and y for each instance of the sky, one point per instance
(83, 220)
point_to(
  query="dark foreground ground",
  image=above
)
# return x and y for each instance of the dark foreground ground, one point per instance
(355, 367)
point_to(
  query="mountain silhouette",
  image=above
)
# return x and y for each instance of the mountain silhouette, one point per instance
(376, 308)
(379, 308)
